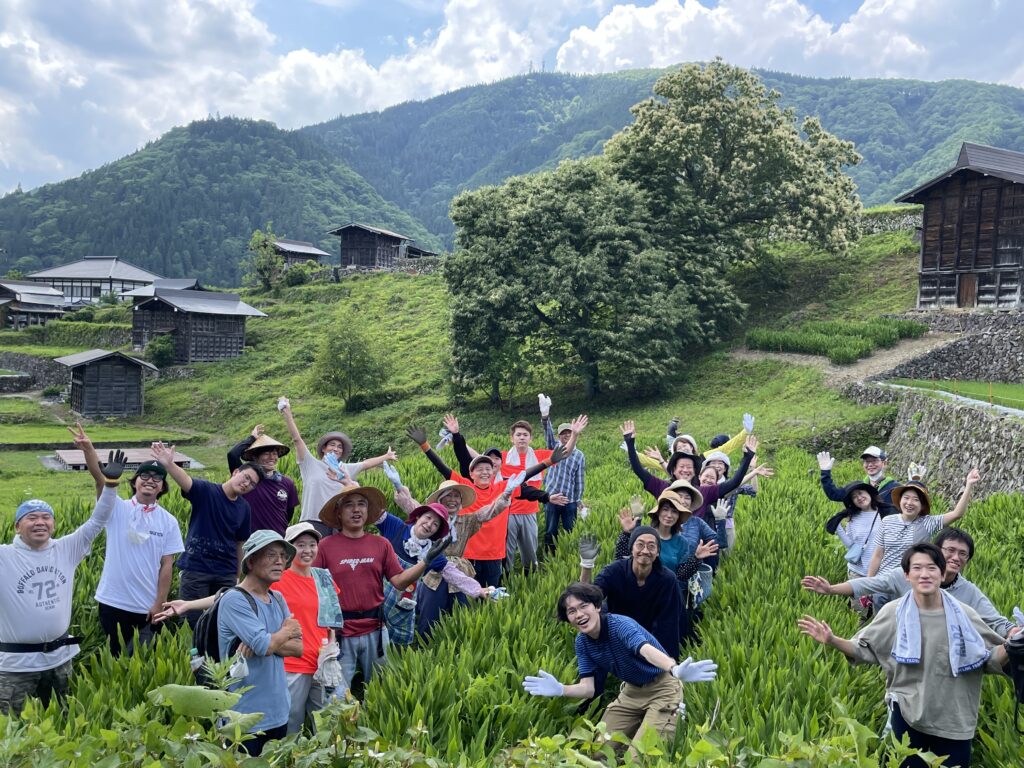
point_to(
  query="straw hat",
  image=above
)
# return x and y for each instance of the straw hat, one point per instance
(261, 442)
(330, 514)
(697, 498)
(466, 492)
(922, 491)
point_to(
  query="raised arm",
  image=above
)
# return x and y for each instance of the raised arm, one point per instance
(164, 455)
(376, 461)
(301, 451)
(419, 436)
(235, 454)
(92, 461)
(828, 485)
(965, 498)
(629, 435)
(734, 482)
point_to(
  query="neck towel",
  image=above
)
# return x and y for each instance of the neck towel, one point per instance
(967, 651)
(329, 608)
(512, 457)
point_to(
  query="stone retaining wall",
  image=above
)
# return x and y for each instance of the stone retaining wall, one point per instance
(949, 438)
(44, 372)
(992, 355)
(968, 321)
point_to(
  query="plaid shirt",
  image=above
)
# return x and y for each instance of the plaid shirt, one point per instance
(566, 477)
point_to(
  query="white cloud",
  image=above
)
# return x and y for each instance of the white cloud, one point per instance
(930, 39)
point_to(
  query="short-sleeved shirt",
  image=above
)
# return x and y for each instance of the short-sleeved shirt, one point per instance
(896, 535)
(299, 592)
(489, 542)
(359, 567)
(215, 526)
(269, 692)
(521, 506)
(272, 503)
(317, 487)
(137, 538)
(617, 650)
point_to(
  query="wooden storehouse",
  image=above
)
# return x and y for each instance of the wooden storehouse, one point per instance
(172, 283)
(106, 383)
(86, 280)
(972, 232)
(370, 247)
(206, 326)
(24, 303)
(299, 252)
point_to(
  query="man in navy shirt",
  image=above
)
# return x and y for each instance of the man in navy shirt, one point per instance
(639, 587)
(652, 690)
(217, 528)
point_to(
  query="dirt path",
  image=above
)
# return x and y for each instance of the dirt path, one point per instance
(838, 376)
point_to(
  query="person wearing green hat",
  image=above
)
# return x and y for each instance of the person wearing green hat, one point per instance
(36, 594)
(265, 636)
(142, 541)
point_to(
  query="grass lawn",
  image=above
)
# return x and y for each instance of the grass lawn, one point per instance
(41, 351)
(1009, 395)
(57, 434)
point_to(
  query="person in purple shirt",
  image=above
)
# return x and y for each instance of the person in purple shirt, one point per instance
(217, 528)
(274, 500)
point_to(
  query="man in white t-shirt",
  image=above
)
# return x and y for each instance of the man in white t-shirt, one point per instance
(35, 596)
(142, 540)
(320, 481)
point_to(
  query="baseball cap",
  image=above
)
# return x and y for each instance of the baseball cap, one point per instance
(874, 452)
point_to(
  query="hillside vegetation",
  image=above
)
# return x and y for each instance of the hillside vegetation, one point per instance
(186, 204)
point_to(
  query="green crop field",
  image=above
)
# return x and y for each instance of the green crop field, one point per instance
(998, 393)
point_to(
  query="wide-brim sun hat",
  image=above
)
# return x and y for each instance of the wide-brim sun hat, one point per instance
(262, 539)
(697, 498)
(345, 440)
(859, 485)
(913, 485)
(262, 442)
(678, 456)
(331, 515)
(437, 509)
(467, 493)
(688, 438)
(294, 531)
(671, 497)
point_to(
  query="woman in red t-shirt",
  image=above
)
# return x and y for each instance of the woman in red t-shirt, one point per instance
(298, 587)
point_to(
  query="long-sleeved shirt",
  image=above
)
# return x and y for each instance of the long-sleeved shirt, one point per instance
(37, 588)
(711, 493)
(895, 584)
(566, 477)
(884, 486)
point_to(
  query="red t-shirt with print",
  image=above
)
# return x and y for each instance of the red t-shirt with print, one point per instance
(359, 567)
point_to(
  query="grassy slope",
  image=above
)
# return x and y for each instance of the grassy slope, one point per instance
(1010, 395)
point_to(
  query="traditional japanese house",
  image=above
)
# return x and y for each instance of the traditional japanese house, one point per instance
(206, 326)
(106, 383)
(299, 252)
(172, 283)
(972, 233)
(23, 303)
(86, 280)
(370, 247)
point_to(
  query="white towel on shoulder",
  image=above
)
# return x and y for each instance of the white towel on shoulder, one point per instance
(967, 651)
(512, 458)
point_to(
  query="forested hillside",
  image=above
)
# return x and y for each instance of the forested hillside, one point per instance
(187, 204)
(420, 154)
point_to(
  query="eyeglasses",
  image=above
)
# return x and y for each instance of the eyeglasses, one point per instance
(961, 554)
(640, 546)
(151, 476)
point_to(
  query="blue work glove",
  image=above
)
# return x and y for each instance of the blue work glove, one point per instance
(392, 474)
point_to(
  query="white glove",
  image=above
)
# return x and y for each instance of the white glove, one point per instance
(392, 475)
(825, 461)
(543, 685)
(721, 510)
(1018, 616)
(545, 405)
(748, 423)
(514, 482)
(446, 438)
(499, 593)
(239, 668)
(690, 671)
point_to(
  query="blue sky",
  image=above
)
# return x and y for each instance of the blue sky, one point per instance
(83, 82)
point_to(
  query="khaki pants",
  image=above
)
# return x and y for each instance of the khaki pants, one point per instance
(639, 707)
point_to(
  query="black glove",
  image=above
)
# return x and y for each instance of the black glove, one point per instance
(438, 548)
(417, 434)
(557, 454)
(114, 467)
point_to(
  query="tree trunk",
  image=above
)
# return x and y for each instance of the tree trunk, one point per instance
(495, 395)
(591, 382)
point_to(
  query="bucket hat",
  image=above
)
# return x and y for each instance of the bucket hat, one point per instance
(437, 509)
(346, 444)
(262, 539)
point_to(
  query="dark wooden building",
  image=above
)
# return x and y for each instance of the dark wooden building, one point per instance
(24, 303)
(370, 247)
(206, 326)
(171, 283)
(86, 280)
(299, 252)
(972, 232)
(106, 383)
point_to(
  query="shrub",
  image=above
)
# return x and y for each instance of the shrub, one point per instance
(53, 390)
(160, 351)
(349, 361)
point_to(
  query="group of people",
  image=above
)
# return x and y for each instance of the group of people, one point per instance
(306, 606)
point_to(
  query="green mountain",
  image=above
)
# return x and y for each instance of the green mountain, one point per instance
(186, 205)
(420, 154)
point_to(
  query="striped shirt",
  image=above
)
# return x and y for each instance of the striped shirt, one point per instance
(565, 477)
(617, 650)
(860, 530)
(896, 534)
